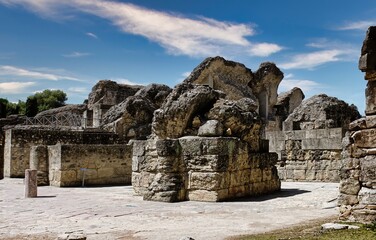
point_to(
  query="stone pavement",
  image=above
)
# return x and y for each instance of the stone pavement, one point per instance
(115, 213)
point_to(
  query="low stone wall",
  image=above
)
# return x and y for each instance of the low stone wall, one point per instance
(308, 155)
(70, 165)
(19, 141)
(201, 169)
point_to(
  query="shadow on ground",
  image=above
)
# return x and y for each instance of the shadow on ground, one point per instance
(286, 192)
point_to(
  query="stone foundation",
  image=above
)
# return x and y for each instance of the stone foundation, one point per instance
(18, 143)
(201, 169)
(308, 155)
(70, 165)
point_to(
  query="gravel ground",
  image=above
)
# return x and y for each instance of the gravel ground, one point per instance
(116, 213)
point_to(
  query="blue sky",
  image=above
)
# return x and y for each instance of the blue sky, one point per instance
(71, 44)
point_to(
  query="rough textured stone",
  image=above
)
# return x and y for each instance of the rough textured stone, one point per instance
(203, 169)
(286, 103)
(78, 109)
(227, 76)
(211, 128)
(322, 111)
(184, 103)
(240, 117)
(156, 93)
(371, 98)
(130, 119)
(31, 187)
(360, 147)
(108, 92)
(19, 140)
(264, 85)
(75, 165)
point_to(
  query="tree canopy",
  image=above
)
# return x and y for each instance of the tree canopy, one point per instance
(34, 104)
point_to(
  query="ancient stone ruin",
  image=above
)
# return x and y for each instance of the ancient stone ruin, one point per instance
(206, 141)
(310, 143)
(357, 199)
(216, 136)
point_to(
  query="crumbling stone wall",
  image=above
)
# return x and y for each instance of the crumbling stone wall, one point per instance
(20, 139)
(70, 165)
(201, 169)
(357, 198)
(309, 144)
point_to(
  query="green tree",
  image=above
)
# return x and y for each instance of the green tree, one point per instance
(31, 106)
(3, 107)
(49, 99)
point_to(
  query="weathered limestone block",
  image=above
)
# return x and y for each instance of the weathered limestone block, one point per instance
(39, 162)
(202, 169)
(349, 186)
(75, 165)
(31, 186)
(208, 181)
(371, 98)
(20, 139)
(110, 93)
(212, 128)
(368, 171)
(365, 138)
(264, 86)
(321, 111)
(367, 60)
(184, 103)
(227, 76)
(240, 117)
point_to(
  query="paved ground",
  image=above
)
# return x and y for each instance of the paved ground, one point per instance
(115, 213)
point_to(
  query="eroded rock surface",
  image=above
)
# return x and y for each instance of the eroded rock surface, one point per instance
(108, 92)
(321, 111)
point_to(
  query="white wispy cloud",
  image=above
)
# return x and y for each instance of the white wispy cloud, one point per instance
(264, 49)
(312, 60)
(15, 87)
(357, 25)
(127, 81)
(179, 35)
(76, 54)
(305, 85)
(92, 35)
(26, 73)
(185, 74)
(309, 87)
(78, 90)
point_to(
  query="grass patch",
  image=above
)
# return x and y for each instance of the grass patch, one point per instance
(312, 231)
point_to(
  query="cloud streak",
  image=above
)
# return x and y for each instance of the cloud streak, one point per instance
(177, 34)
(313, 59)
(76, 55)
(15, 87)
(357, 25)
(92, 35)
(25, 73)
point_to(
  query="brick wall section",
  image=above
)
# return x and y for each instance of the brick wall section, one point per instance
(19, 141)
(308, 155)
(201, 169)
(101, 165)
